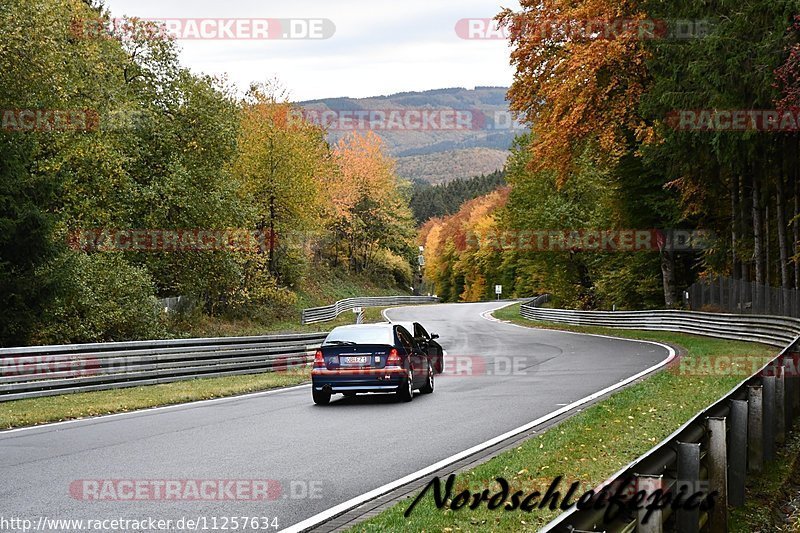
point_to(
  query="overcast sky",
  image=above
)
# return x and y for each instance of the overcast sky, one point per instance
(379, 46)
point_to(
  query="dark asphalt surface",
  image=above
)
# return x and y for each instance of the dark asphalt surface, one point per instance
(340, 451)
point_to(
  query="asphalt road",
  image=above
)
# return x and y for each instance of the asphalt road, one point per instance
(498, 377)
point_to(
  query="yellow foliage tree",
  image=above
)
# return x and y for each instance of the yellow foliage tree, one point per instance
(282, 163)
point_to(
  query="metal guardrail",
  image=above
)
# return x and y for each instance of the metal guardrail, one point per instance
(329, 312)
(772, 330)
(717, 448)
(37, 371)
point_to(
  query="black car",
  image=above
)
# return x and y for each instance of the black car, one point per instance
(370, 358)
(426, 341)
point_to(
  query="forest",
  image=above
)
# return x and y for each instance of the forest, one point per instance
(681, 119)
(105, 133)
(429, 201)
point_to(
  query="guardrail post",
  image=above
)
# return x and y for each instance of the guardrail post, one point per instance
(755, 428)
(792, 378)
(655, 519)
(789, 385)
(688, 520)
(737, 453)
(780, 405)
(768, 383)
(718, 473)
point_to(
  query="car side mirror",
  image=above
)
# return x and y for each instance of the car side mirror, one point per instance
(434, 336)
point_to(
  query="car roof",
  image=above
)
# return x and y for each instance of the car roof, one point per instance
(408, 326)
(365, 326)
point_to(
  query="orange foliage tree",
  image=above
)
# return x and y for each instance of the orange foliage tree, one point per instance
(580, 72)
(369, 207)
(457, 265)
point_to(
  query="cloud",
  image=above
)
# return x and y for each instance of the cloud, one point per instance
(379, 47)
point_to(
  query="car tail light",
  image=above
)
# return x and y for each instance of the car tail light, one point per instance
(319, 361)
(394, 358)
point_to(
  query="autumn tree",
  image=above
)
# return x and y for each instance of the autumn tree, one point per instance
(369, 204)
(579, 76)
(459, 262)
(281, 162)
(581, 71)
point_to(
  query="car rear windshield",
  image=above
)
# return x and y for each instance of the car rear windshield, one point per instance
(365, 335)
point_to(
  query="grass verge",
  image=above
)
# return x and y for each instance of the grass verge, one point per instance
(321, 288)
(772, 499)
(33, 411)
(205, 326)
(589, 446)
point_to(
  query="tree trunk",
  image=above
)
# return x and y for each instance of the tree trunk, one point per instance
(796, 232)
(758, 249)
(745, 198)
(780, 220)
(736, 263)
(758, 234)
(783, 250)
(272, 235)
(767, 243)
(668, 275)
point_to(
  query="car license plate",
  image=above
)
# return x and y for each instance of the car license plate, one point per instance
(355, 360)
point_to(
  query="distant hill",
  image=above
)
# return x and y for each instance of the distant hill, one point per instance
(431, 154)
(448, 165)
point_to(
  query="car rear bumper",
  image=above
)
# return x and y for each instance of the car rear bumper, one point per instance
(358, 380)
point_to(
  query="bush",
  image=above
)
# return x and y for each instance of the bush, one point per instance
(389, 269)
(101, 297)
(260, 296)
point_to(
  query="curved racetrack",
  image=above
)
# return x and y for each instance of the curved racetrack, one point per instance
(499, 377)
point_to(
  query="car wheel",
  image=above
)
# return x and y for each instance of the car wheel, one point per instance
(321, 397)
(428, 387)
(406, 391)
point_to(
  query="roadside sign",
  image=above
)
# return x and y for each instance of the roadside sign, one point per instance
(357, 310)
(498, 289)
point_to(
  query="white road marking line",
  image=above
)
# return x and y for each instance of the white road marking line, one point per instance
(380, 491)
